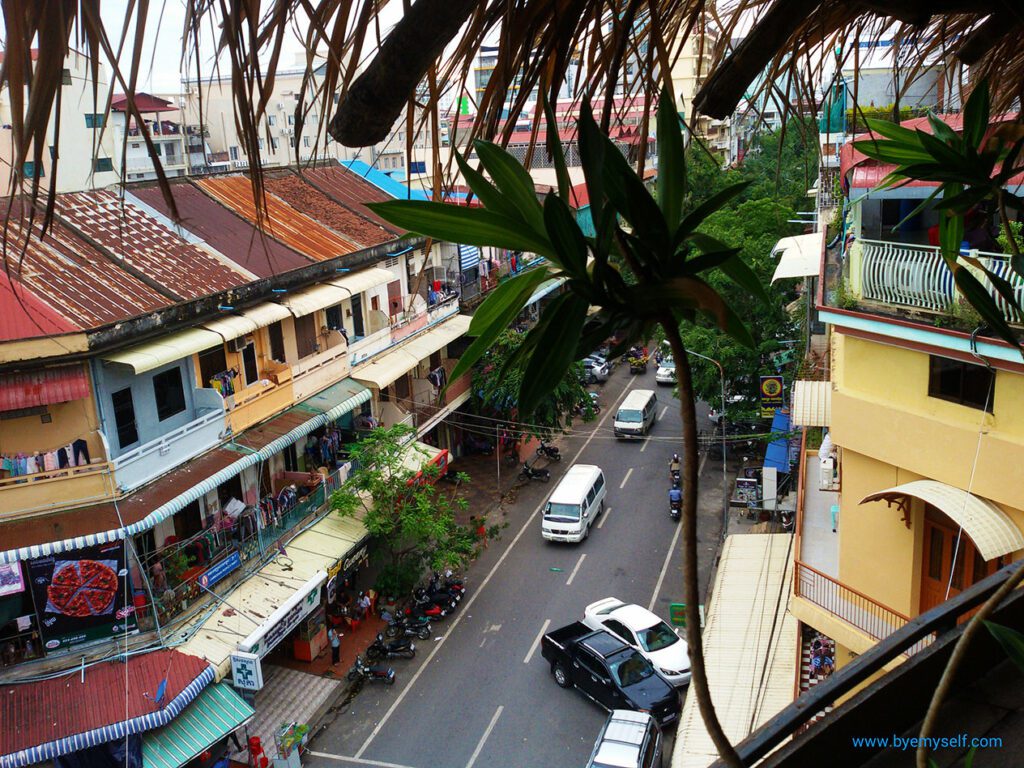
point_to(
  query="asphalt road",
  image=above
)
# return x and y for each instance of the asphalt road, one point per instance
(480, 694)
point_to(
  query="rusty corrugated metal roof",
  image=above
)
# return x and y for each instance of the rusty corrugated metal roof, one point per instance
(351, 191)
(231, 235)
(129, 233)
(76, 279)
(26, 315)
(303, 196)
(283, 222)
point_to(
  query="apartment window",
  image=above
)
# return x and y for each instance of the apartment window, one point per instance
(65, 77)
(102, 164)
(291, 119)
(963, 383)
(274, 144)
(305, 335)
(271, 120)
(124, 417)
(306, 142)
(276, 334)
(334, 317)
(169, 393)
(233, 152)
(252, 373)
(94, 120)
(135, 145)
(30, 171)
(261, 145)
(211, 362)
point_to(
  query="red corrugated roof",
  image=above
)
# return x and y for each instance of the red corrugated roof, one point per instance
(25, 315)
(76, 279)
(351, 190)
(282, 222)
(305, 197)
(144, 102)
(111, 692)
(128, 233)
(228, 233)
(579, 195)
(44, 386)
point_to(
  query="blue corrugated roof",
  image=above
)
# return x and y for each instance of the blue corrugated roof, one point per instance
(384, 182)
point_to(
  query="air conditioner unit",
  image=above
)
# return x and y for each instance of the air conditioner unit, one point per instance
(237, 345)
(280, 105)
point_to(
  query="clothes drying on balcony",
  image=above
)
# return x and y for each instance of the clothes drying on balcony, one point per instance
(74, 454)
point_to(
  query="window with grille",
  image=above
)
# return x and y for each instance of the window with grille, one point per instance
(962, 383)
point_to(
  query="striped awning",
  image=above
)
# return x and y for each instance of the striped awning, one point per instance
(342, 389)
(548, 286)
(215, 713)
(812, 404)
(469, 257)
(45, 386)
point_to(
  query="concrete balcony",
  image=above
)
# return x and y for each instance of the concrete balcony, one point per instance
(391, 415)
(363, 348)
(147, 462)
(43, 492)
(915, 276)
(818, 508)
(260, 401)
(319, 371)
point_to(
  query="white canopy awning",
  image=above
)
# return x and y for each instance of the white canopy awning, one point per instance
(166, 349)
(364, 280)
(812, 404)
(991, 529)
(800, 256)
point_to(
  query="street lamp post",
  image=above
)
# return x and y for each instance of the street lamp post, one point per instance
(721, 424)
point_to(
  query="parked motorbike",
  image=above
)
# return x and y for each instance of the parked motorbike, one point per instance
(531, 473)
(550, 451)
(454, 586)
(434, 608)
(786, 518)
(407, 626)
(441, 597)
(402, 648)
(376, 674)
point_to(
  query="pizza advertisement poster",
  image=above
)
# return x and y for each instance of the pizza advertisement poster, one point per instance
(80, 595)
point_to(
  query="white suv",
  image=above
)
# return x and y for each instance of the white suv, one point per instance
(640, 628)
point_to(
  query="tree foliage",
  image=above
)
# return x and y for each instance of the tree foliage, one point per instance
(410, 516)
(498, 395)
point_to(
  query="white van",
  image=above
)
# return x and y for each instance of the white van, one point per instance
(636, 414)
(574, 504)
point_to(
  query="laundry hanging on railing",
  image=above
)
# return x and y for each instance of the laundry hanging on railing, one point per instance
(438, 377)
(224, 382)
(74, 454)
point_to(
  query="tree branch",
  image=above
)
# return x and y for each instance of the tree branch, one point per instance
(699, 677)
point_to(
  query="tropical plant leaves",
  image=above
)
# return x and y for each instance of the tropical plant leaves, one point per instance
(514, 182)
(671, 161)
(1011, 640)
(557, 333)
(565, 236)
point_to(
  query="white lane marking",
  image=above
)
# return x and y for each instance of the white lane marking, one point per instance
(644, 446)
(626, 478)
(536, 641)
(480, 744)
(663, 412)
(671, 549)
(356, 760)
(440, 641)
(604, 516)
(576, 569)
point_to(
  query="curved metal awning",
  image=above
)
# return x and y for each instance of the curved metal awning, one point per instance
(991, 529)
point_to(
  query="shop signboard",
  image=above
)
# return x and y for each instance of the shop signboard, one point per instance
(246, 671)
(82, 595)
(11, 580)
(286, 618)
(220, 569)
(771, 391)
(355, 558)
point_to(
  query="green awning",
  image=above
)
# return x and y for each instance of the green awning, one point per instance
(215, 713)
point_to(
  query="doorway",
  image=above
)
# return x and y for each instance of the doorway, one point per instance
(939, 570)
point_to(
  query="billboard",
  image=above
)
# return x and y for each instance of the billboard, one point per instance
(82, 595)
(772, 395)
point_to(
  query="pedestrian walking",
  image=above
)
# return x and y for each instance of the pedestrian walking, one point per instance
(335, 637)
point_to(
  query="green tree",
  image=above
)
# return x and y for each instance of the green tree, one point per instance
(498, 395)
(411, 518)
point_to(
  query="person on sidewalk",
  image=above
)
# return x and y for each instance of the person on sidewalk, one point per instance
(335, 637)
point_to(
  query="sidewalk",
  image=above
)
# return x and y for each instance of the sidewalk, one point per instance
(483, 494)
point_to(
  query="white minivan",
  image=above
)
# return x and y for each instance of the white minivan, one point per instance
(574, 504)
(636, 414)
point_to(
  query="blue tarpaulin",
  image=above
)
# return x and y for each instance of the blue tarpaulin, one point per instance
(777, 454)
(384, 182)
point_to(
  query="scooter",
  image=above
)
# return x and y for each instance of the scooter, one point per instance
(530, 473)
(441, 597)
(435, 610)
(454, 588)
(675, 509)
(402, 648)
(550, 451)
(362, 670)
(403, 626)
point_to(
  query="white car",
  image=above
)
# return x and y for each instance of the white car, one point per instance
(640, 628)
(666, 373)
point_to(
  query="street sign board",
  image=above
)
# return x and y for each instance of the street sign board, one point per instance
(677, 614)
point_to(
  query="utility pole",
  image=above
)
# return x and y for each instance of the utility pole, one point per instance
(721, 427)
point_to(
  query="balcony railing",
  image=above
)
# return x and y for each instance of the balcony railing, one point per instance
(313, 373)
(148, 461)
(871, 617)
(916, 276)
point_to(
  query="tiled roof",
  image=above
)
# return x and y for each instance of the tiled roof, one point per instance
(77, 279)
(144, 102)
(25, 315)
(351, 190)
(128, 233)
(228, 233)
(111, 692)
(283, 222)
(304, 197)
